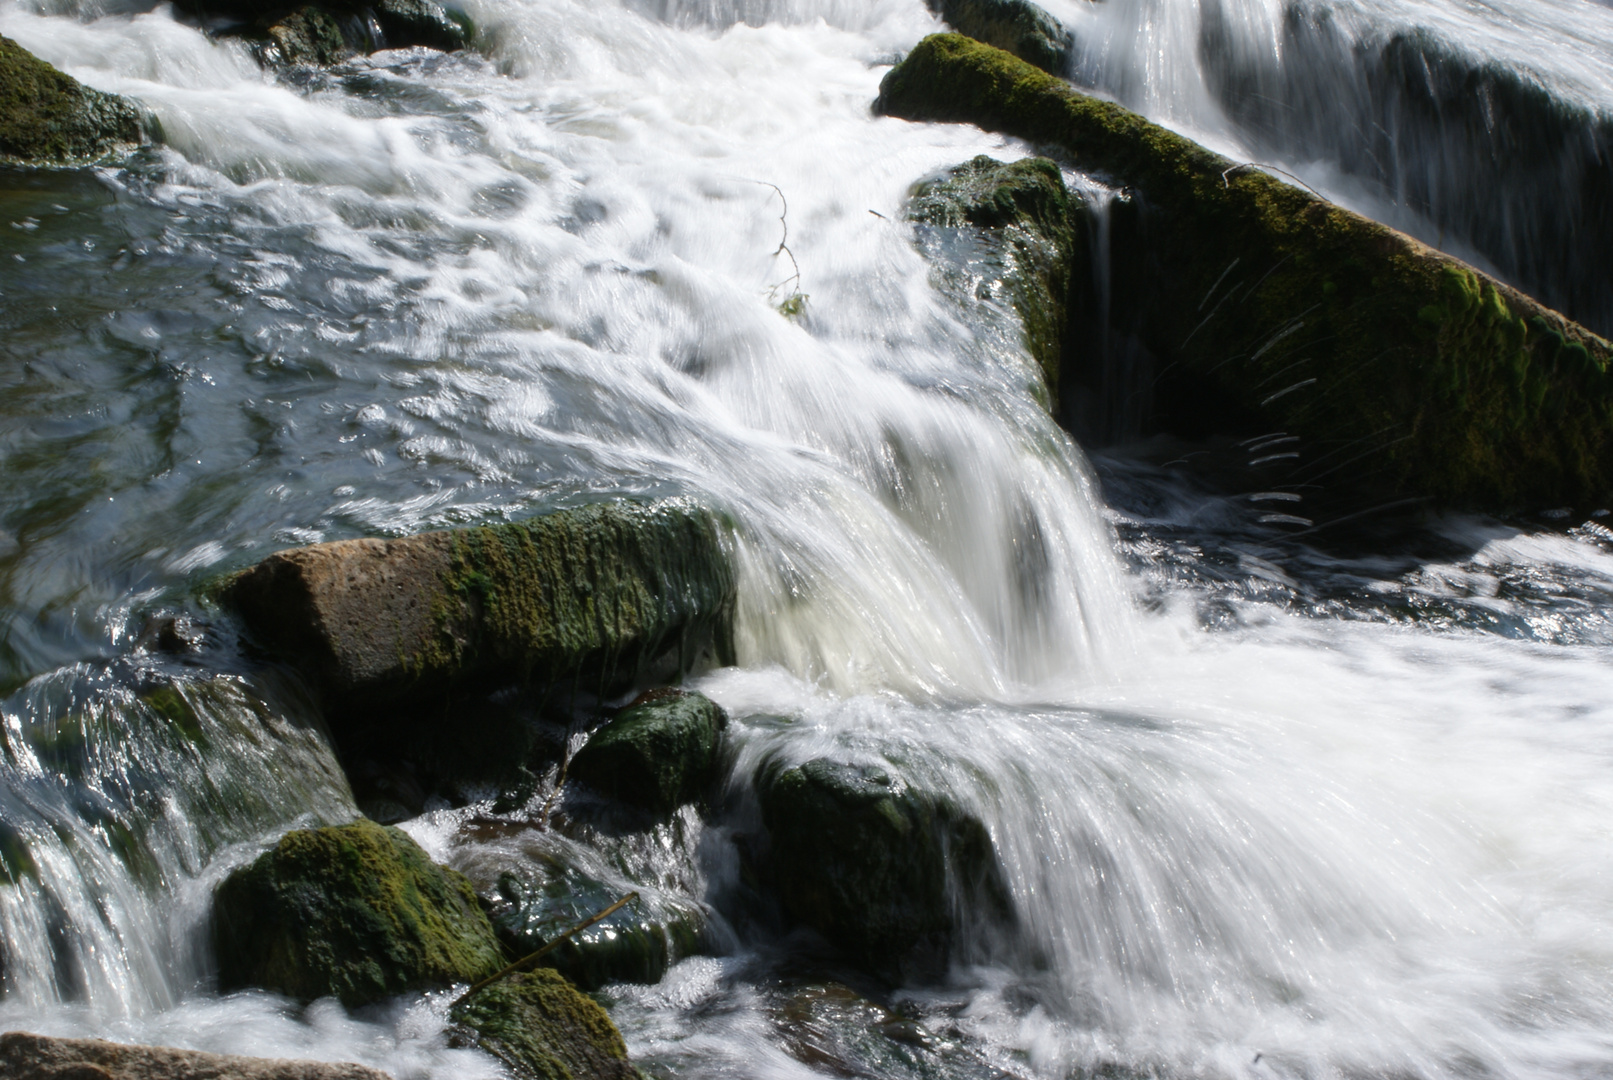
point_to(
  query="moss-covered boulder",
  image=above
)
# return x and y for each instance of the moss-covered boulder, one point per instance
(543, 1028)
(1011, 223)
(880, 868)
(659, 753)
(1016, 26)
(535, 902)
(358, 912)
(49, 118)
(1394, 369)
(395, 631)
(36, 1057)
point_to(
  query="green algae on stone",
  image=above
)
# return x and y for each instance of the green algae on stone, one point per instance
(878, 867)
(659, 753)
(357, 912)
(593, 596)
(1017, 26)
(47, 117)
(1018, 216)
(309, 35)
(543, 1028)
(1403, 372)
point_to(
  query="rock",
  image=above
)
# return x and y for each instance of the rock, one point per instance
(49, 118)
(1014, 221)
(290, 34)
(659, 753)
(593, 599)
(357, 912)
(543, 1028)
(874, 864)
(35, 1057)
(1016, 26)
(544, 897)
(1398, 372)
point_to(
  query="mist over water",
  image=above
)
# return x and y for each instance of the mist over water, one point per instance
(1263, 809)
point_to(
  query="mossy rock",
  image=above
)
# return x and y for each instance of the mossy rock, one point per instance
(881, 869)
(1015, 219)
(38, 1057)
(357, 912)
(1017, 26)
(659, 753)
(1402, 372)
(544, 897)
(50, 118)
(393, 631)
(543, 1028)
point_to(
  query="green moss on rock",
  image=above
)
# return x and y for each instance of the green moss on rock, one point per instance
(1403, 371)
(47, 117)
(543, 1028)
(358, 912)
(1018, 218)
(879, 868)
(1016, 26)
(658, 753)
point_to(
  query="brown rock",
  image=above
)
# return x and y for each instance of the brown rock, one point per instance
(37, 1057)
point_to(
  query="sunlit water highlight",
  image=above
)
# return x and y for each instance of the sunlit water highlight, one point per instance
(1263, 811)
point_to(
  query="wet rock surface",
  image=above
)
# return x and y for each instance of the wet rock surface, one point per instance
(1016, 26)
(357, 912)
(659, 753)
(35, 1057)
(293, 34)
(543, 1028)
(881, 869)
(1259, 308)
(50, 118)
(1005, 228)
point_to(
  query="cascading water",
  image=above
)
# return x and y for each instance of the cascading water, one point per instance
(1260, 811)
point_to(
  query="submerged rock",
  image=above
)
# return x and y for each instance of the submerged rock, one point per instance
(659, 753)
(1017, 219)
(47, 117)
(543, 1028)
(395, 631)
(1400, 372)
(544, 897)
(358, 912)
(1017, 26)
(35, 1057)
(878, 867)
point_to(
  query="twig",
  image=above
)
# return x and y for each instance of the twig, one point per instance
(784, 241)
(1270, 168)
(546, 950)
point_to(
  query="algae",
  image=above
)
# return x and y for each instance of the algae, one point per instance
(543, 1028)
(47, 117)
(358, 912)
(1016, 26)
(1404, 372)
(658, 753)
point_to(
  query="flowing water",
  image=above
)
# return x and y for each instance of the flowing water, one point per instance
(1263, 809)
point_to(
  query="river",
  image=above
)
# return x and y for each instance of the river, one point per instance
(1265, 808)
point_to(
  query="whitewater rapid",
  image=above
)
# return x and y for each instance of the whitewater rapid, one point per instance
(1261, 813)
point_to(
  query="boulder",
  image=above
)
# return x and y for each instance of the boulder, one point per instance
(543, 1028)
(357, 912)
(35, 1057)
(544, 897)
(1388, 368)
(1011, 223)
(291, 34)
(49, 118)
(1017, 26)
(393, 632)
(659, 753)
(880, 868)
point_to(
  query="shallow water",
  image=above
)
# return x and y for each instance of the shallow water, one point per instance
(1265, 806)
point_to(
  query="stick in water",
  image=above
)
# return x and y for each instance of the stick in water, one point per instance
(541, 953)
